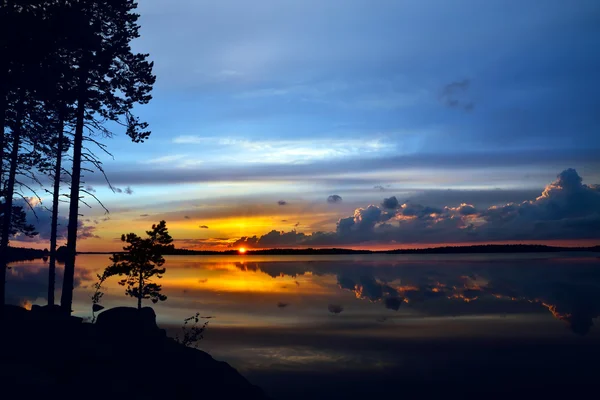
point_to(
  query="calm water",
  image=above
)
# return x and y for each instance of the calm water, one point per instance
(337, 325)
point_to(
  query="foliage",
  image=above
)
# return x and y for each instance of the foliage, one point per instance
(141, 262)
(98, 294)
(192, 331)
(19, 223)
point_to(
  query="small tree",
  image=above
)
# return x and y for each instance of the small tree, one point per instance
(142, 261)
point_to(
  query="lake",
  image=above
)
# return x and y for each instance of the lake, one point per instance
(370, 325)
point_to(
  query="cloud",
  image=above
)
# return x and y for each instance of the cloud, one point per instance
(454, 95)
(90, 189)
(566, 209)
(282, 202)
(334, 198)
(42, 219)
(393, 303)
(282, 305)
(203, 227)
(314, 171)
(144, 215)
(379, 187)
(335, 308)
(186, 216)
(127, 190)
(390, 203)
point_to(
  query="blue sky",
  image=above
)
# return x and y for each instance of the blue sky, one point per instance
(270, 100)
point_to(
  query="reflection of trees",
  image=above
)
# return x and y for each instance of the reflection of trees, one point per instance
(570, 290)
(29, 283)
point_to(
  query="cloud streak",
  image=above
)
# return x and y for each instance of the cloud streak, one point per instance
(322, 171)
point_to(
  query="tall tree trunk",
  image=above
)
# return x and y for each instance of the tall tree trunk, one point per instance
(10, 188)
(3, 92)
(140, 291)
(2, 122)
(54, 222)
(66, 300)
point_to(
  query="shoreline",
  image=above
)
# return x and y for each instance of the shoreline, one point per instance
(16, 254)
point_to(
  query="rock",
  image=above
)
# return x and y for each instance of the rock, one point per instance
(109, 359)
(128, 322)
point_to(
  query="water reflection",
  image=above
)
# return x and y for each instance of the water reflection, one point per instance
(279, 290)
(334, 326)
(569, 288)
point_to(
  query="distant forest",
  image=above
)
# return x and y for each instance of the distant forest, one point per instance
(22, 254)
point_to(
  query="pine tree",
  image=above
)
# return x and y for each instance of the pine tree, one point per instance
(23, 46)
(111, 80)
(141, 262)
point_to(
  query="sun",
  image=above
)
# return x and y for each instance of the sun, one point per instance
(242, 250)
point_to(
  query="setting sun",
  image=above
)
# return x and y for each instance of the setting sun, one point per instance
(242, 250)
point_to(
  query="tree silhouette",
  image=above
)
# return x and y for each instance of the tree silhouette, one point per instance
(140, 262)
(22, 69)
(110, 80)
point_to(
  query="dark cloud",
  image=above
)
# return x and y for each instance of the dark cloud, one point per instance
(186, 217)
(334, 198)
(379, 187)
(90, 189)
(202, 280)
(483, 198)
(284, 220)
(393, 303)
(203, 227)
(86, 232)
(128, 190)
(282, 305)
(390, 203)
(41, 218)
(566, 209)
(144, 215)
(455, 95)
(335, 309)
(282, 202)
(117, 190)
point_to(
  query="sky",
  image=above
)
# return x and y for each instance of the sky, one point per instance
(364, 124)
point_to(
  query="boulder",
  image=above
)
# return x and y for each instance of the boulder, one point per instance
(128, 322)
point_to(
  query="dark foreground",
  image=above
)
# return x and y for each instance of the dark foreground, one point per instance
(123, 356)
(490, 369)
(126, 357)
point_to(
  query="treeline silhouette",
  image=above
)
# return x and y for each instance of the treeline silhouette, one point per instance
(474, 249)
(68, 80)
